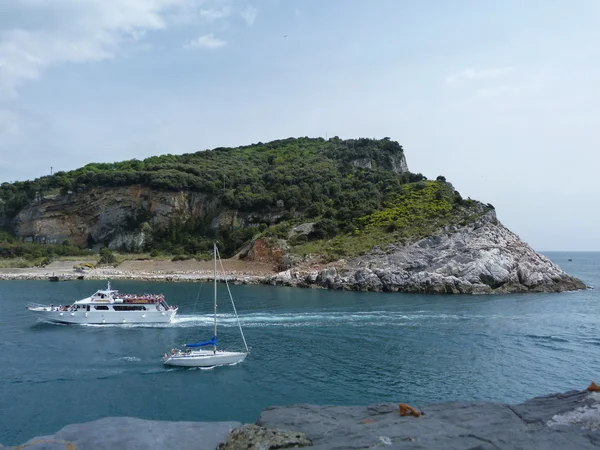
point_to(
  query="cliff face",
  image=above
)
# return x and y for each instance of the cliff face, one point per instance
(395, 163)
(124, 216)
(481, 258)
(108, 216)
(101, 215)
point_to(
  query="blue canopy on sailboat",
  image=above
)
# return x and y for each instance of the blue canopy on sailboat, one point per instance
(213, 341)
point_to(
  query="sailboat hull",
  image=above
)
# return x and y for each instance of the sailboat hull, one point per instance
(205, 358)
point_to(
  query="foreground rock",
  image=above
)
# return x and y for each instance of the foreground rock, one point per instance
(256, 437)
(481, 258)
(130, 433)
(558, 421)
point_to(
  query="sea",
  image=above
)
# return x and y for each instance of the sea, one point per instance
(307, 346)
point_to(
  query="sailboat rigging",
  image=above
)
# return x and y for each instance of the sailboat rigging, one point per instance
(214, 357)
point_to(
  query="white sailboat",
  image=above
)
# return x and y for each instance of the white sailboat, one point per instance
(194, 355)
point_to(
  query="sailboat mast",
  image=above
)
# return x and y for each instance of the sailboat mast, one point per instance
(215, 282)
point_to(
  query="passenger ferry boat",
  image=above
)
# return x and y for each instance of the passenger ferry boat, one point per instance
(107, 306)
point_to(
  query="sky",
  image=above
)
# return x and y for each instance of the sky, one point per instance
(502, 98)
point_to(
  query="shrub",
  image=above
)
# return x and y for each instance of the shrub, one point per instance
(106, 256)
(323, 229)
(46, 261)
(204, 257)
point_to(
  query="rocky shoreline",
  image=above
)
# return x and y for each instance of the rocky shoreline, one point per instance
(559, 421)
(110, 274)
(329, 278)
(481, 258)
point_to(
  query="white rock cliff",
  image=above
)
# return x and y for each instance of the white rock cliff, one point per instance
(481, 258)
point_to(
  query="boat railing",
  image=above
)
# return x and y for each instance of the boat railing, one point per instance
(48, 307)
(144, 299)
(37, 305)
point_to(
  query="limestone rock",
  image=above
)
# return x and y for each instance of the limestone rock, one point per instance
(398, 163)
(115, 215)
(363, 163)
(329, 278)
(254, 437)
(481, 258)
(395, 162)
(303, 229)
(133, 240)
(285, 278)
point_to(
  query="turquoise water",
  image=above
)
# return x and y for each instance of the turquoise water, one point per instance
(308, 346)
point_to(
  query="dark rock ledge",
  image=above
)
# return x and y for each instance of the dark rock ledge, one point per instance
(558, 421)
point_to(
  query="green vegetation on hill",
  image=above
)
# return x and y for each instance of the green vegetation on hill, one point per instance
(415, 211)
(302, 172)
(327, 182)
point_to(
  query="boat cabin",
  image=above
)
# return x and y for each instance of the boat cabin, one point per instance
(110, 300)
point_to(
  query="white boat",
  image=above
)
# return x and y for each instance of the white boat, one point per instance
(194, 355)
(107, 306)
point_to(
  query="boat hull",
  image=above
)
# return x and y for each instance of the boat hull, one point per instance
(102, 317)
(205, 358)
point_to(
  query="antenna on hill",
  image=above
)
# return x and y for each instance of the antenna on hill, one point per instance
(50, 170)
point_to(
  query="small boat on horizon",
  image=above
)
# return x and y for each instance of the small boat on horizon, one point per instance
(108, 306)
(209, 357)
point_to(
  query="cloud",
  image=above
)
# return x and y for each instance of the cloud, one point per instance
(208, 41)
(249, 15)
(482, 74)
(36, 35)
(89, 31)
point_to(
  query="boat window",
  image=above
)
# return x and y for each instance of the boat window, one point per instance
(129, 308)
(101, 308)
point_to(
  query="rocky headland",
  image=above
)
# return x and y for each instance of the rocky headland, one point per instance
(481, 258)
(559, 421)
(337, 214)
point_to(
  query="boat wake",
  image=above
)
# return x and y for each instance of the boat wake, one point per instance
(325, 318)
(42, 323)
(130, 358)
